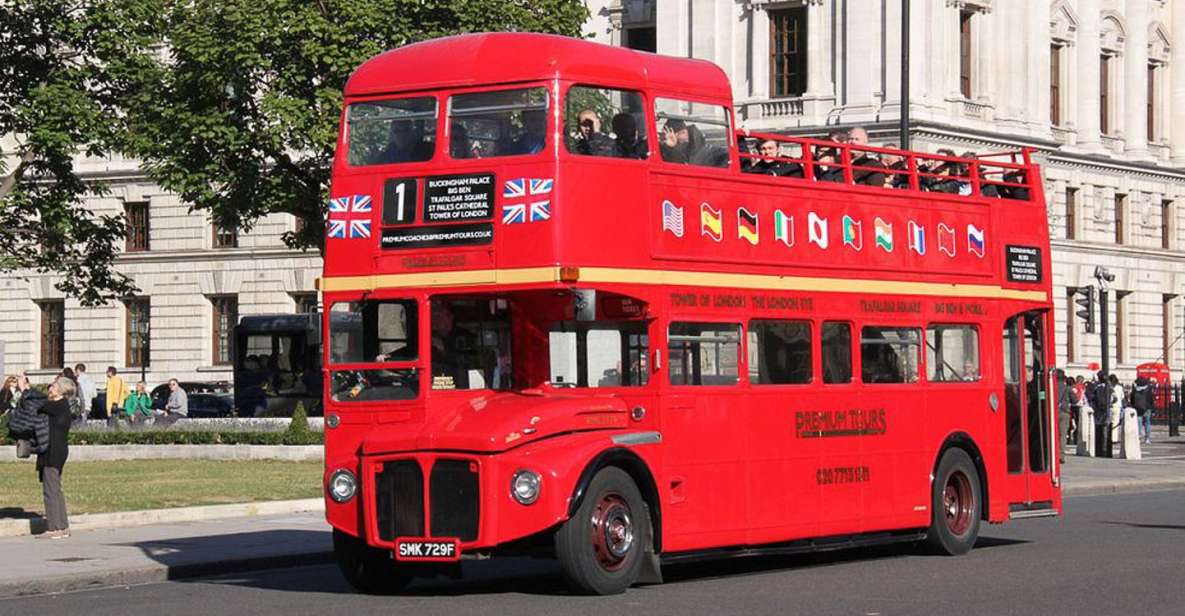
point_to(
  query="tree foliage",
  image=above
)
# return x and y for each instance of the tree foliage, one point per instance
(65, 69)
(242, 121)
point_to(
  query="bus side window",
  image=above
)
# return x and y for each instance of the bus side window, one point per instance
(605, 122)
(952, 353)
(703, 353)
(837, 352)
(692, 133)
(779, 352)
(889, 354)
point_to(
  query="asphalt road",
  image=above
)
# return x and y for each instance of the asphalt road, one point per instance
(1115, 554)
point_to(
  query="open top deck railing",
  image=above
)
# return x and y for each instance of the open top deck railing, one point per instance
(1008, 175)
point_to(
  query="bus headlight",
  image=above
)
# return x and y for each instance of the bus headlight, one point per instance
(525, 485)
(342, 486)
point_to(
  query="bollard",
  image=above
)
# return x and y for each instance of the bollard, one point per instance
(1130, 435)
(1085, 431)
(1175, 403)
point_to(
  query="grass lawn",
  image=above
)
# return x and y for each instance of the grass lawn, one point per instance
(131, 485)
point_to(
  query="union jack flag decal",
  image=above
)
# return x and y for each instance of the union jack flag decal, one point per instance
(349, 217)
(532, 200)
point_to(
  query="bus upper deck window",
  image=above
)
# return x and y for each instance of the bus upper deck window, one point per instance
(498, 123)
(605, 122)
(392, 131)
(692, 133)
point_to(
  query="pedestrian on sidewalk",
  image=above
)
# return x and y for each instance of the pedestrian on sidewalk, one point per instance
(1063, 390)
(78, 413)
(10, 396)
(1118, 398)
(51, 463)
(177, 406)
(86, 388)
(138, 406)
(1143, 392)
(117, 393)
(1077, 399)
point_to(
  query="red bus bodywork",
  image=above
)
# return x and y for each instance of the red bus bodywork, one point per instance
(721, 466)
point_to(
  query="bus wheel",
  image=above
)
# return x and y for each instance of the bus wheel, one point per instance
(367, 569)
(955, 505)
(601, 547)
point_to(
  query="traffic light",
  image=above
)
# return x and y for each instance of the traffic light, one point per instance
(1085, 298)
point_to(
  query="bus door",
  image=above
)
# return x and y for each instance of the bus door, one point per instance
(705, 435)
(1028, 412)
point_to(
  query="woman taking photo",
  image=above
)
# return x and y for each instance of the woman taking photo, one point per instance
(51, 462)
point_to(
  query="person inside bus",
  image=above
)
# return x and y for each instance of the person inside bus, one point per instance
(827, 168)
(451, 346)
(1016, 176)
(895, 162)
(534, 136)
(459, 145)
(626, 142)
(674, 138)
(768, 164)
(406, 144)
(869, 175)
(589, 140)
(948, 173)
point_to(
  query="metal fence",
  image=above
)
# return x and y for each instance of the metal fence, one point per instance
(1168, 405)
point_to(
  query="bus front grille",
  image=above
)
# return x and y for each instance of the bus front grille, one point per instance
(399, 500)
(454, 501)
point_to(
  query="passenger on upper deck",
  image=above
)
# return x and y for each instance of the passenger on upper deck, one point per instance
(869, 176)
(626, 143)
(674, 139)
(895, 162)
(768, 165)
(589, 140)
(947, 174)
(406, 144)
(533, 139)
(826, 169)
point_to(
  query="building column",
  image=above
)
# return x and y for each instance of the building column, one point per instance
(1087, 119)
(1135, 78)
(1177, 84)
(818, 50)
(1037, 41)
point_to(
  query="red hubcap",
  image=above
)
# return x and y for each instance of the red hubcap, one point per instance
(612, 531)
(958, 504)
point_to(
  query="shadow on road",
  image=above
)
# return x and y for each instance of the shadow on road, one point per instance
(1148, 526)
(528, 576)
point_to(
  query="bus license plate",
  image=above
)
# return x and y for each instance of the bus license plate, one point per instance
(427, 549)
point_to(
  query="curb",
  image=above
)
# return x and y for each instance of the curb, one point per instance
(1118, 487)
(159, 573)
(124, 519)
(95, 453)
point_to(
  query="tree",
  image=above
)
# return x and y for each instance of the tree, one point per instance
(65, 72)
(241, 120)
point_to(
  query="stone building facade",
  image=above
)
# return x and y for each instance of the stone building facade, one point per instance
(194, 281)
(1095, 87)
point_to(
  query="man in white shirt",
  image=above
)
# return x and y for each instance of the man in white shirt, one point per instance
(86, 388)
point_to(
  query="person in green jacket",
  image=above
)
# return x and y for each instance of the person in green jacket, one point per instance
(138, 405)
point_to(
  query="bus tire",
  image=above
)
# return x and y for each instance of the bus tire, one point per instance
(956, 505)
(602, 546)
(369, 570)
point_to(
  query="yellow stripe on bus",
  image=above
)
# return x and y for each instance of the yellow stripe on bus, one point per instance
(674, 277)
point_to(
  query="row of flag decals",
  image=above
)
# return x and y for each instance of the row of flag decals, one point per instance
(818, 230)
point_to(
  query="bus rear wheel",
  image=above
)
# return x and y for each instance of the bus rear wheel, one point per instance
(601, 547)
(368, 569)
(955, 505)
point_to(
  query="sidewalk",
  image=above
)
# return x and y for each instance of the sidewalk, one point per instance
(159, 552)
(169, 549)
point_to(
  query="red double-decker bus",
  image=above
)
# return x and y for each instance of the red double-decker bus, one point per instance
(568, 314)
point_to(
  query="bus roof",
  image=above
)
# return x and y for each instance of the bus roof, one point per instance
(494, 58)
